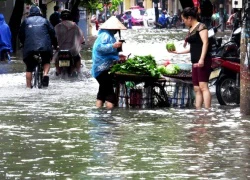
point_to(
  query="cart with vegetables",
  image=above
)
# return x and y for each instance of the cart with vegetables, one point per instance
(140, 83)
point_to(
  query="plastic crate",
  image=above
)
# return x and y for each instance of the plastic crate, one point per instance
(135, 97)
(180, 94)
(162, 94)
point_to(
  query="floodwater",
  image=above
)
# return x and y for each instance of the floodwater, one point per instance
(57, 133)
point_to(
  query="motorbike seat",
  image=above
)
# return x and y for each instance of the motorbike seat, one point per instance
(232, 59)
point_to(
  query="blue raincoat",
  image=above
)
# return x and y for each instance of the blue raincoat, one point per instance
(36, 33)
(163, 20)
(5, 35)
(103, 53)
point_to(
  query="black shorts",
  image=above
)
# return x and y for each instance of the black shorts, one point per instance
(31, 63)
(106, 89)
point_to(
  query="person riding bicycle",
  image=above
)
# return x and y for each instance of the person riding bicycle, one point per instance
(70, 37)
(5, 38)
(37, 35)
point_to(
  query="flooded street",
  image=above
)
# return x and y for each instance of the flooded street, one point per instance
(57, 133)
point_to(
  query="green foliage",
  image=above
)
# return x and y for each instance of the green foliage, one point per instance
(141, 65)
(99, 4)
(115, 4)
(92, 4)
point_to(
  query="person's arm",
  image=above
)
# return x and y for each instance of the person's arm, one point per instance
(204, 38)
(21, 33)
(184, 51)
(230, 19)
(107, 46)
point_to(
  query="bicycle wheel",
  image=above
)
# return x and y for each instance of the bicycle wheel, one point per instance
(35, 77)
(40, 76)
(160, 96)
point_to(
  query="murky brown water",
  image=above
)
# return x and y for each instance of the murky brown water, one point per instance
(57, 133)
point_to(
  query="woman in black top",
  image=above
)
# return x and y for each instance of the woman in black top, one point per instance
(198, 39)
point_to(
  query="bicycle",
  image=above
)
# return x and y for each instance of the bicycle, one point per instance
(37, 76)
(160, 96)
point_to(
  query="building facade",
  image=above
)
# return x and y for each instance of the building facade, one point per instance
(174, 5)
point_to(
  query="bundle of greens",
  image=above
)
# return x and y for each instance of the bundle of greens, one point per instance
(141, 65)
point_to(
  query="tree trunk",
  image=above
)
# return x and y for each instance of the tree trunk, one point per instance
(75, 11)
(156, 12)
(245, 66)
(15, 21)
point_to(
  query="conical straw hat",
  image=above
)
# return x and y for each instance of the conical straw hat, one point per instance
(113, 23)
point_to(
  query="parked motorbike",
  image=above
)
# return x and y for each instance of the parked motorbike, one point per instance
(215, 42)
(226, 70)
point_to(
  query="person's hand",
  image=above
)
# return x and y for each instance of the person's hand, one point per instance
(122, 57)
(228, 22)
(117, 45)
(174, 52)
(199, 64)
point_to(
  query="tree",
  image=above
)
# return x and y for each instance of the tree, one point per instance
(99, 4)
(74, 10)
(15, 20)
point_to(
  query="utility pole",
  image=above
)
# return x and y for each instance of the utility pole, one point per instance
(156, 10)
(163, 4)
(221, 12)
(245, 61)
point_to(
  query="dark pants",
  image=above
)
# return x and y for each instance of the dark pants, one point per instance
(106, 89)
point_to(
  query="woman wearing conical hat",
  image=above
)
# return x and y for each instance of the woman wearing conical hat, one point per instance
(105, 51)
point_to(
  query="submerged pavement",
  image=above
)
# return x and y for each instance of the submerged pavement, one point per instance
(57, 132)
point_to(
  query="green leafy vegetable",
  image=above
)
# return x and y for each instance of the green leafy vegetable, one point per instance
(141, 65)
(162, 69)
(170, 69)
(170, 46)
